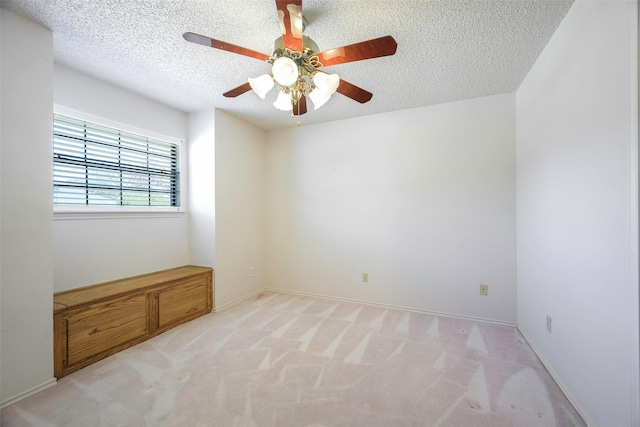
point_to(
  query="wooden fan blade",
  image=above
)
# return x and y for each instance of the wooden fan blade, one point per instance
(290, 18)
(238, 91)
(374, 48)
(300, 107)
(219, 44)
(354, 92)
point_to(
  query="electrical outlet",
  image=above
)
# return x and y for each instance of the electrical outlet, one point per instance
(548, 323)
(484, 290)
(250, 271)
(365, 277)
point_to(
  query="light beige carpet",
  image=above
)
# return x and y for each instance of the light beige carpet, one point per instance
(286, 360)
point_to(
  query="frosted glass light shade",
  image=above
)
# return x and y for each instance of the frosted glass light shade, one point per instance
(285, 71)
(326, 82)
(283, 102)
(326, 85)
(318, 97)
(261, 85)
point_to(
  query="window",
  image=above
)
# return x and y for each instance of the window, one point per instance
(95, 165)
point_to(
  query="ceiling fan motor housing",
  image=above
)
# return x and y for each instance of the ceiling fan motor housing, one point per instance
(308, 46)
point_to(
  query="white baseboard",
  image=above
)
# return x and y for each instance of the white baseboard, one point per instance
(28, 393)
(238, 300)
(397, 307)
(556, 378)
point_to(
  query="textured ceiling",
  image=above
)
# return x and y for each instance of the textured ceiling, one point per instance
(447, 49)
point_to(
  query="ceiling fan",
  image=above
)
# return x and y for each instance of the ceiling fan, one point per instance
(297, 66)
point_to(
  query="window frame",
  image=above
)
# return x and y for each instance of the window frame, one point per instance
(119, 211)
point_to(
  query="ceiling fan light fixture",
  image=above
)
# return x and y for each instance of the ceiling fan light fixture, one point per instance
(296, 62)
(283, 102)
(318, 97)
(261, 85)
(326, 82)
(325, 86)
(285, 71)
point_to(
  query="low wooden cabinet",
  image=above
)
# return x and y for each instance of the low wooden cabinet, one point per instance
(93, 322)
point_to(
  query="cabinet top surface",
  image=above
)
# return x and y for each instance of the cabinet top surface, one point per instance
(87, 294)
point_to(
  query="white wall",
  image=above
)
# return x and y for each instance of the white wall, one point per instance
(226, 170)
(423, 200)
(25, 217)
(78, 91)
(240, 241)
(577, 209)
(96, 248)
(202, 188)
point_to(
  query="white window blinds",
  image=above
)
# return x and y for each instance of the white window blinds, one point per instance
(95, 165)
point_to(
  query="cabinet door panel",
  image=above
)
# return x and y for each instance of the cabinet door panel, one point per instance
(182, 302)
(99, 327)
